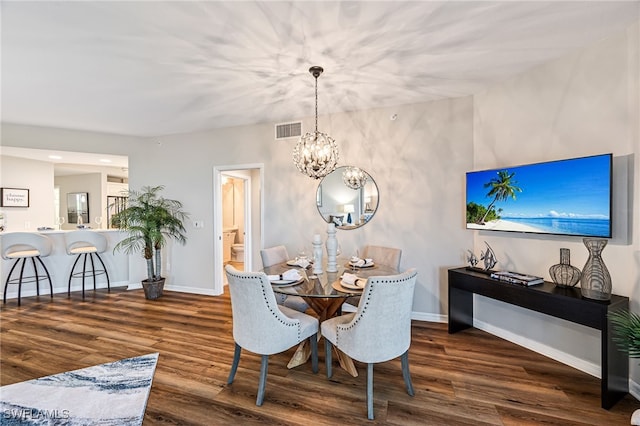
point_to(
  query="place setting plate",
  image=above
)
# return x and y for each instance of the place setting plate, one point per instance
(348, 288)
(286, 283)
(365, 266)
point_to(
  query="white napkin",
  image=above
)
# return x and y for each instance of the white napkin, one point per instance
(352, 279)
(290, 275)
(302, 262)
(356, 261)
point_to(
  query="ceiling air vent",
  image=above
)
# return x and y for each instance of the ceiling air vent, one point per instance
(289, 130)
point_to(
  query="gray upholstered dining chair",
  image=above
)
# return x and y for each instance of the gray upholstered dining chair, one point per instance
(388, 256)
(383, 255)
(379, 330)
(263, 327)
(272, 256)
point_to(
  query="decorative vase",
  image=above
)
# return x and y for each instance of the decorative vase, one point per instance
(332, 248)
(596, 281)
(563, 274)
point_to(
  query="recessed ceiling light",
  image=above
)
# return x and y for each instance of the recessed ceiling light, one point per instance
(55, 157)
(105, 160)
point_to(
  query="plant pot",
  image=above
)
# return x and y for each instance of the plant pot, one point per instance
(153, 289)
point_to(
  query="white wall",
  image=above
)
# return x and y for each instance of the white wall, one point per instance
(37, 177)
(582, 104)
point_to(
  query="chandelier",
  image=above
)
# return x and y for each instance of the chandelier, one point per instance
(316, 153)
(354, 177)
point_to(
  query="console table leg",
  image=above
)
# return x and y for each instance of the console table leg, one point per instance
(460, 309)
(615, 365)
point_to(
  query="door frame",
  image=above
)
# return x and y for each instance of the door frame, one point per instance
(250, 214)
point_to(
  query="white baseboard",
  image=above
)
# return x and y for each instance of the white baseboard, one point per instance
(181, 289)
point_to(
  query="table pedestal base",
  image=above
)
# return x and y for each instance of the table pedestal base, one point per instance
(325, 308)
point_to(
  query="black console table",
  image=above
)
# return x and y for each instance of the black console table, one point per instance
(565, 303)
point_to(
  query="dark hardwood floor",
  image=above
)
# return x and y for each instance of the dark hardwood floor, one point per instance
(468, 378)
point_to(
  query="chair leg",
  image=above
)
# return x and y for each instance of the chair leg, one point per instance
(234, 366)
(263, 379)
(35, 271)
(405, 372)
(93, 270)
(6, 284)
(327, 357)
(370, 391)
(105, 272)
(71, 274)
(314, 353)
(46, 271)
(84, 272)
(24, 261)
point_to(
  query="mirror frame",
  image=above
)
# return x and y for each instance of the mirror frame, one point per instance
(75, 207)
(332, 196)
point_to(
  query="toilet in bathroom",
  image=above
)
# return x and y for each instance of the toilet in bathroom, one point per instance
(237, 252)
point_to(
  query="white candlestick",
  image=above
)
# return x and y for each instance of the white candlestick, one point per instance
(332, 248)
(317, 254)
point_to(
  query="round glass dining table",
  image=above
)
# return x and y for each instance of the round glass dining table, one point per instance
(325, 294)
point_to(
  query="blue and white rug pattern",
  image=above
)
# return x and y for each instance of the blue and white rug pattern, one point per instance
(115, 394)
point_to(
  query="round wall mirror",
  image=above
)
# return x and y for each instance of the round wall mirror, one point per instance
(340, 203)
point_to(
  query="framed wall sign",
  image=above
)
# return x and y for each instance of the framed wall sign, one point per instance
(14, 197)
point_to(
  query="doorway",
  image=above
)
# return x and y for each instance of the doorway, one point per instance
(237, 218)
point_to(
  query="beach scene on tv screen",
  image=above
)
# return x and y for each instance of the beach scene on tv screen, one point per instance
(569, 197)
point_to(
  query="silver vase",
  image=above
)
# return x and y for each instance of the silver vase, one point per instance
(596, 281)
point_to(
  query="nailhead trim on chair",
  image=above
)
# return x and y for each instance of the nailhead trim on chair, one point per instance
(364, 308)
(271, 308)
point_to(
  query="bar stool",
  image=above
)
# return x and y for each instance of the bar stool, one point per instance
(86, 244)
(22, 246)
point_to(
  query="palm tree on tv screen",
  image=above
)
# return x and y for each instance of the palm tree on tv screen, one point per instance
(502, 188)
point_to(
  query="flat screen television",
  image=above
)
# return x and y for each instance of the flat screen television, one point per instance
(564, 197)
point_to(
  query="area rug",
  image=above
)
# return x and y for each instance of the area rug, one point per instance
(115, 393)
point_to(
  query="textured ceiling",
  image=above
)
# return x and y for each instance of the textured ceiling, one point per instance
(156, 68)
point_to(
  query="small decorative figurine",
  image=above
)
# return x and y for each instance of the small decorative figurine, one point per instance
(489, 257)
(472, 259)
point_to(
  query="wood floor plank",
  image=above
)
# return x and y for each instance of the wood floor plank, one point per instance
(467, 378)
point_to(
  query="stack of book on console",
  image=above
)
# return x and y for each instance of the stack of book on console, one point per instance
(516, 278)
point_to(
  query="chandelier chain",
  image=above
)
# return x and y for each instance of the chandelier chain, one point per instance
(316, 77)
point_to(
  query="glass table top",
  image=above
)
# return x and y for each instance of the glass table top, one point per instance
(323, 285)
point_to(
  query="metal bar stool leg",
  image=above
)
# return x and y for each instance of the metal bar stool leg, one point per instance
(105, 271)
(35, 270)
(6, 284)
(71, 274)
(20, 281)
(46, 272)
(93, 270)
(84, 272)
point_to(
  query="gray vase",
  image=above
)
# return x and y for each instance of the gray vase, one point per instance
(564, 274)
(596, 281)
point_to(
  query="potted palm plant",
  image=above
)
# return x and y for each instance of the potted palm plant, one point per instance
(626, 329)
(150, 221)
